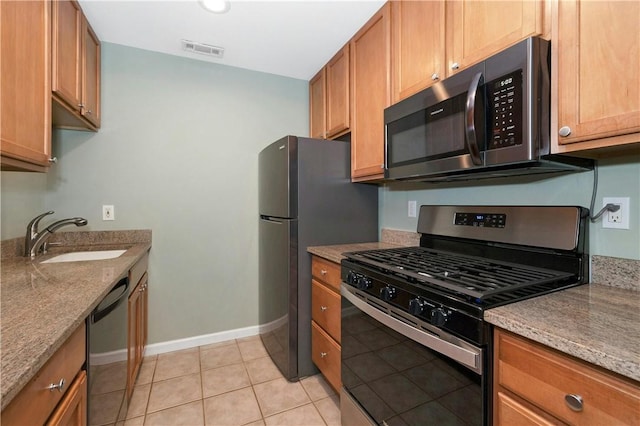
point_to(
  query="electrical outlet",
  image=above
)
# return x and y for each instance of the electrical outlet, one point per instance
(108, 213)
(620, 218)
(411, 209)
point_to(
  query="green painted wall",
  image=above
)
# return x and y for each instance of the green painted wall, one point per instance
(177, 153)
(618, 177)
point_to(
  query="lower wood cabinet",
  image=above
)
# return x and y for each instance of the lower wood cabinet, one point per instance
(58, 392)
(72, 411)
(536, 385)
(325, 323)
(138, 321)
(326, 354)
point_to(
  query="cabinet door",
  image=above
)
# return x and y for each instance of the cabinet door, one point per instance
(598, 71)
(478, 29)
(370, 95)
(511, 412)
(67, 52)
(417, 46)
(72, 410)
(132, 339)
(25, 97)
(337, 76)
(317, 105)
(91, 75)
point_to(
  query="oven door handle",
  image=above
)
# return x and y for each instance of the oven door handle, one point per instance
(469, 358)
(97, 315)
(470, 115)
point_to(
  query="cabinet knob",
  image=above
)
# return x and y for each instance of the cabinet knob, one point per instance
(80, 105)
(574, 401)
(323, 354)
(88, 112)
(56, 386)
(435, 76)
(53, 160)
(323, 271)
(564, 131)
(455, 66)
(323, 308)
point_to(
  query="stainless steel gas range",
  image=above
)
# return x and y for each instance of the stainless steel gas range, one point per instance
(415, 347)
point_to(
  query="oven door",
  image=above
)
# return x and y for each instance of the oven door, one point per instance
(395, 373)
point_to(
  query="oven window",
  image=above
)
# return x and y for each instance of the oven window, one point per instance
(428, 134)
(400, 382)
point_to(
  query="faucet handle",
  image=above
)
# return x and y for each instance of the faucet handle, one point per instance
(32, 227)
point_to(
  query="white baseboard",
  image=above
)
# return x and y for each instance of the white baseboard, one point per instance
(189, 342)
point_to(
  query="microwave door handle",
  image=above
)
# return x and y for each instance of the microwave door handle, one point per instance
(470, 124)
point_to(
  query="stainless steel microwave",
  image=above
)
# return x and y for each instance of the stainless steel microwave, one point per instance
(489, 120)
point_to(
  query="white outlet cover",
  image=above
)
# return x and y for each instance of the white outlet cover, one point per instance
(108, 213)
(624, 213)
(412, 206)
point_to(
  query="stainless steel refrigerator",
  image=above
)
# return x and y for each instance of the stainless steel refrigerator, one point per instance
(306, 198)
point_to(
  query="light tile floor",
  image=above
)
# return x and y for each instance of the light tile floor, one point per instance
(227, 383)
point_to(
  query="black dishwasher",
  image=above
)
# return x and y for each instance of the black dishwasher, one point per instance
(107, 356)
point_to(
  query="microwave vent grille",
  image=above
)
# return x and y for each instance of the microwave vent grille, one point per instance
(203, 49)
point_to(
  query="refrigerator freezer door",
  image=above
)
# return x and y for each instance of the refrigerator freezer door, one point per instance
(278, 305)
(277, 184)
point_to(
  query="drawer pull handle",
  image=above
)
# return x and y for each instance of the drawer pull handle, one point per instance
(59, 386)
(573, 401)
(323, 354)
(323, 271)
(323, 308)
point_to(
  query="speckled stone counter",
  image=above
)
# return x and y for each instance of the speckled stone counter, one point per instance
(334, 252)
(391, 238)
(596, 323)
(42, 304)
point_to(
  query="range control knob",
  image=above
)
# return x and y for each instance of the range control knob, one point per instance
(416, 306)
(439, 317)
(388, 293)
(352, 278)
(363, 283)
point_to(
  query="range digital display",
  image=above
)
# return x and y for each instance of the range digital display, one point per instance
(484, 220)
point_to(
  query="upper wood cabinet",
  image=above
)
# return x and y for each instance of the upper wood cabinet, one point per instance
(75, 68)
(317, 105)
(329, 98)
(417, 46)
(478, 29)
(596, 75)
(370, 95)
(25, 106)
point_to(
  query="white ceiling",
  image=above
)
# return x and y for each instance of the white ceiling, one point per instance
(290, 38)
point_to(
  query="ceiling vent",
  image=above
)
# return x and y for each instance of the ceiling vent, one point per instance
(203, 49)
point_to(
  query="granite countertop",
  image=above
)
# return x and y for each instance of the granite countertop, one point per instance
(42, 304)
(334, 252)
(593, 322)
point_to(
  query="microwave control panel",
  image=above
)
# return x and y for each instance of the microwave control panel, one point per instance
(504, 96)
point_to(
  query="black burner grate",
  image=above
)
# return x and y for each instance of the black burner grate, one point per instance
(473, 276)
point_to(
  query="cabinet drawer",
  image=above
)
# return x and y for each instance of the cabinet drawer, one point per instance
(544, 377)
(511, 412)
(325, 353)
(325, 309)
(137, 271)
(36, 401)
(326, 271)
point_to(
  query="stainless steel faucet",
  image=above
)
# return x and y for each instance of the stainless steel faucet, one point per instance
(34, 239)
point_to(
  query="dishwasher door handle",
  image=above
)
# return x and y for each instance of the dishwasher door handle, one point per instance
(97, 314)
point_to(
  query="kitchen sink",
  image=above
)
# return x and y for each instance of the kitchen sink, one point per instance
(79, 256)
